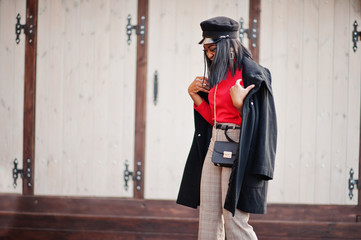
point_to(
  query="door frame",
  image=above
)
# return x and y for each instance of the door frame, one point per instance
(29, 97)
(140, 100)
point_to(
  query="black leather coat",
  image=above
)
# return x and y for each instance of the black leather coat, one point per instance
(248, 182)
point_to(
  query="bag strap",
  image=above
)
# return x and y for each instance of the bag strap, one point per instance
(228, 138)
(214, 103)
(215, 94)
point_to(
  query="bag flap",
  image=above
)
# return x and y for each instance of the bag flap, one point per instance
(220, 147)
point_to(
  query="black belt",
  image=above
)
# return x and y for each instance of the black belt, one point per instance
(226, 127)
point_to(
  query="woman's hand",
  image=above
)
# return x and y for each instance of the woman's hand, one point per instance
(198, 84)
(238, 94)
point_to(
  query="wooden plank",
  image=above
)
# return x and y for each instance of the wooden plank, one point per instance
(309, 96)
(339, 103)
(15, 234)
(279, 60)
(354, 97)
(87, 206)
(324, 102)
(176, 227)
(117, 224)
(255, 13)
(64, 215)
(96, 77)
(312, 213)
(84, 161)
(290, 231)
(182, 114)
(161, 119)
(72, 79)
(55, 96)
(49, 112)
(11, 93)
(29, 97)
(94, 206)
(122, 85)
(294, 102)
(140, 102)
(265, 34)
(307, 230)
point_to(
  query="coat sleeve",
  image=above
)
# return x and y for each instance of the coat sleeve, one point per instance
(205, 110)
(264, 152)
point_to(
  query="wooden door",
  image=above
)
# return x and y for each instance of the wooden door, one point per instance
(316, 81)
(85, 98)
(176, 58)
(11, 93)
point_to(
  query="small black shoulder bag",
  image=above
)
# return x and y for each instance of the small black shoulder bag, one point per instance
(224, 153)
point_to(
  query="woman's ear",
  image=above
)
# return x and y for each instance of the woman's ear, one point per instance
(231, 54)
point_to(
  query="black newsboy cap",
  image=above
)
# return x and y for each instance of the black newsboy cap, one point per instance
(219, 26)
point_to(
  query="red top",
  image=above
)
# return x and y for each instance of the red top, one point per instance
(226, 112)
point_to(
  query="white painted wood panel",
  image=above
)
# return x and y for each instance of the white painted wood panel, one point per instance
(273, 43)
(354, 99)
(85, 97)
(316, 81)
(324, 100)
(293, 106)
(174, 32)
(339, 102)
(11, 93)
(309, 68)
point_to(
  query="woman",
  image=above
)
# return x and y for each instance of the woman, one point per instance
(235, 103)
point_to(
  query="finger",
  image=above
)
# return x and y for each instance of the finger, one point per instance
(202, 86)
(250, 87)
(198, 79)
(205, 85)
(238, 82)
(204, 90)
(202, 79)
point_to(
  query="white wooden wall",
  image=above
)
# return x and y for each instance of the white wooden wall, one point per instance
(316, 81)
(11, 93)
(85, 97)
(174, 33)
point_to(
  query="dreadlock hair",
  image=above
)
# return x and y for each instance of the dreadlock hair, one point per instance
(229, 55)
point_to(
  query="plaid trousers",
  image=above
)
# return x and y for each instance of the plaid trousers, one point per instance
(214, 221)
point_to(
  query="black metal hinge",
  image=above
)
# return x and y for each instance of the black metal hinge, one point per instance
(352, 183)
(251, 32)
(139, 30)
(355, 36)
(24, 174)
(136, 176)
(27, 28)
